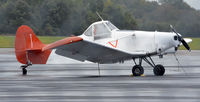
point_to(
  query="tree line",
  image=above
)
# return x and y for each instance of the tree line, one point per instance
(72, 17)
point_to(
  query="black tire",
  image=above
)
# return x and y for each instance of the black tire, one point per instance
(137, 70)
(159, 70)
(24, 71)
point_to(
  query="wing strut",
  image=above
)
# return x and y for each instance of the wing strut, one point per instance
(99, 70)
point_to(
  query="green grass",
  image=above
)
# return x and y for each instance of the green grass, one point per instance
(9, 41)
(49, 39)
(194, 45)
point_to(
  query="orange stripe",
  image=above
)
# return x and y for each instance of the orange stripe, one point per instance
(116, 43)
(95, 30)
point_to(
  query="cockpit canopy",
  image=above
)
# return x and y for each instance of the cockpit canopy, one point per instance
(101, 29)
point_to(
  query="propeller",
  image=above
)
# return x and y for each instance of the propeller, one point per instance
(180, 38)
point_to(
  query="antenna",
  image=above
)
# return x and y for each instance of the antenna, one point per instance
(99, 16)
(103, 22)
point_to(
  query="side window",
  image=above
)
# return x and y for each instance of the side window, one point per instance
(88, 32)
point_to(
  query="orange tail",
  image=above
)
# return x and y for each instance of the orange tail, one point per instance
(29, 48)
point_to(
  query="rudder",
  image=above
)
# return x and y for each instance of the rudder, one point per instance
(29, 48)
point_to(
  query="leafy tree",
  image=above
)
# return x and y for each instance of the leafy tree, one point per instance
(72, 17)
(16, 14)
(121, 18)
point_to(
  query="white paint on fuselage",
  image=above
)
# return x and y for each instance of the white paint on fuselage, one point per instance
(139, 41)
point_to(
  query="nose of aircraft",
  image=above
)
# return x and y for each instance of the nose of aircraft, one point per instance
(176, 40)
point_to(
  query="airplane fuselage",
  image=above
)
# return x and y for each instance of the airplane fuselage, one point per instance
(131, 41)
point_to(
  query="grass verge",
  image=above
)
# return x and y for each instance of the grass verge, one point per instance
(9, 41)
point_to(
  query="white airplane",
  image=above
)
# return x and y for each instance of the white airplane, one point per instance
(101, 43)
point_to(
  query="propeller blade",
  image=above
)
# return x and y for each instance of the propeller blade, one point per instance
(173, 29)
(185, 45)
(181, 39)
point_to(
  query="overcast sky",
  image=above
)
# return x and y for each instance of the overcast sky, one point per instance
(193, 3)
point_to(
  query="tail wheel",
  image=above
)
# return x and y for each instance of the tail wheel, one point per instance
(24, 71)
(137, 70)
(159, 70)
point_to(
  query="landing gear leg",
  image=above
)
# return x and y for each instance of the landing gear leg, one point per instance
(99, 70)
(158, 70)
(138, 70)
(24, 70)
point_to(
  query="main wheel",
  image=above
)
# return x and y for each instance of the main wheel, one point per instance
(159, 70)
(137, 70)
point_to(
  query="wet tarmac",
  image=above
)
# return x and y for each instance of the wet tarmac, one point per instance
(80, 82)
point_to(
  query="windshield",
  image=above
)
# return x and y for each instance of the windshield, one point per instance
(111, 26)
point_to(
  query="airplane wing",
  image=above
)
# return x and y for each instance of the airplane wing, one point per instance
(80, 49)
(188, 40)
